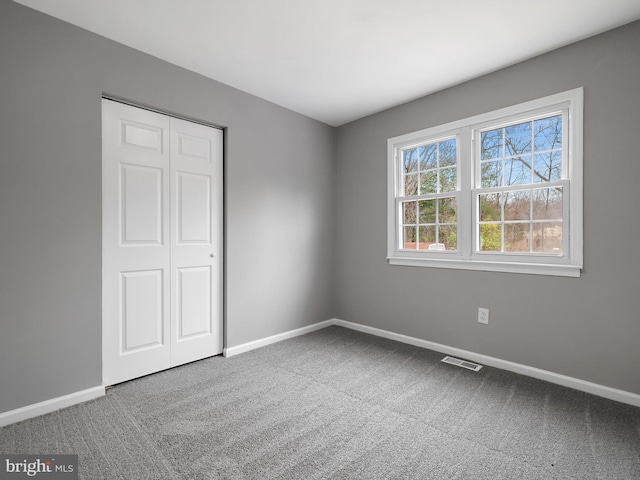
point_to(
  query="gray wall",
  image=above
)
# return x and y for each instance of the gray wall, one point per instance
(283, 223)
(279, 201)
(588, 327)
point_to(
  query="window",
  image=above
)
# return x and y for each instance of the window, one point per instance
(500, 191)
(429, 180)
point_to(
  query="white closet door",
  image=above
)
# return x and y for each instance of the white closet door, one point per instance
(136, 242)
(196, 241)
(162, 221)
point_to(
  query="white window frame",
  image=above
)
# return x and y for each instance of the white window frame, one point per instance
(467, 133)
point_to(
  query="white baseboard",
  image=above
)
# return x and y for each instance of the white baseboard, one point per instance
(49, 406)
(622, 396)
(571, 382)
(245, 347)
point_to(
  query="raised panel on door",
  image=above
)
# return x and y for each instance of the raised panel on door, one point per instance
(195, 147)
(193, 209)
(141, 135)
(196, 241)
(141, 310)
(194, 302)
(136, 250)
(141, 208)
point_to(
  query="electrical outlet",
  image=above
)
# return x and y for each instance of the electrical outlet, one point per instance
(483, 315)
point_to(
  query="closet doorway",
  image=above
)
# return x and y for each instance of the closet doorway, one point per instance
(162, 241)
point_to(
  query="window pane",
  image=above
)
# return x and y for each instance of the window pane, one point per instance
(448, 153)
(517, 205)
(491, 144)
(547, 237)
(409, 212)
(517, 171)
(548, 167)
(409, 238)
(410, 160)
(491, 174)
(427, 211)
(430, 158)
(427, 236)
(446, 210)
(548, 133)
(447, 235)
(516, 237)
(428, 182)
(490, 235)
(547, 203)
(490, 208)
(410, 184)
(422, 153)
(517, 139)
(448, 180)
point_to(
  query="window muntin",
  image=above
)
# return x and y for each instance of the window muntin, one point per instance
(517, 197)
(430, 168)
(514, 219)
(430, 224)
(522, 221)
(523, 153)
(429, 202)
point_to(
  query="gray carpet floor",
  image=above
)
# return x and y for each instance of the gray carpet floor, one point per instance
(339, 404)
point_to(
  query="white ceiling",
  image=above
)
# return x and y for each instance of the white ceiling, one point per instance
(339, 60)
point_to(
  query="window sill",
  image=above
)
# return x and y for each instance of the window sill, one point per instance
(487, 266)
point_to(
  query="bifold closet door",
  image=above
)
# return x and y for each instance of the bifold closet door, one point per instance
(196, 241)
(162, 242)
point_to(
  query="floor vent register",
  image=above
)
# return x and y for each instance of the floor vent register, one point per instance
(462, 363)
